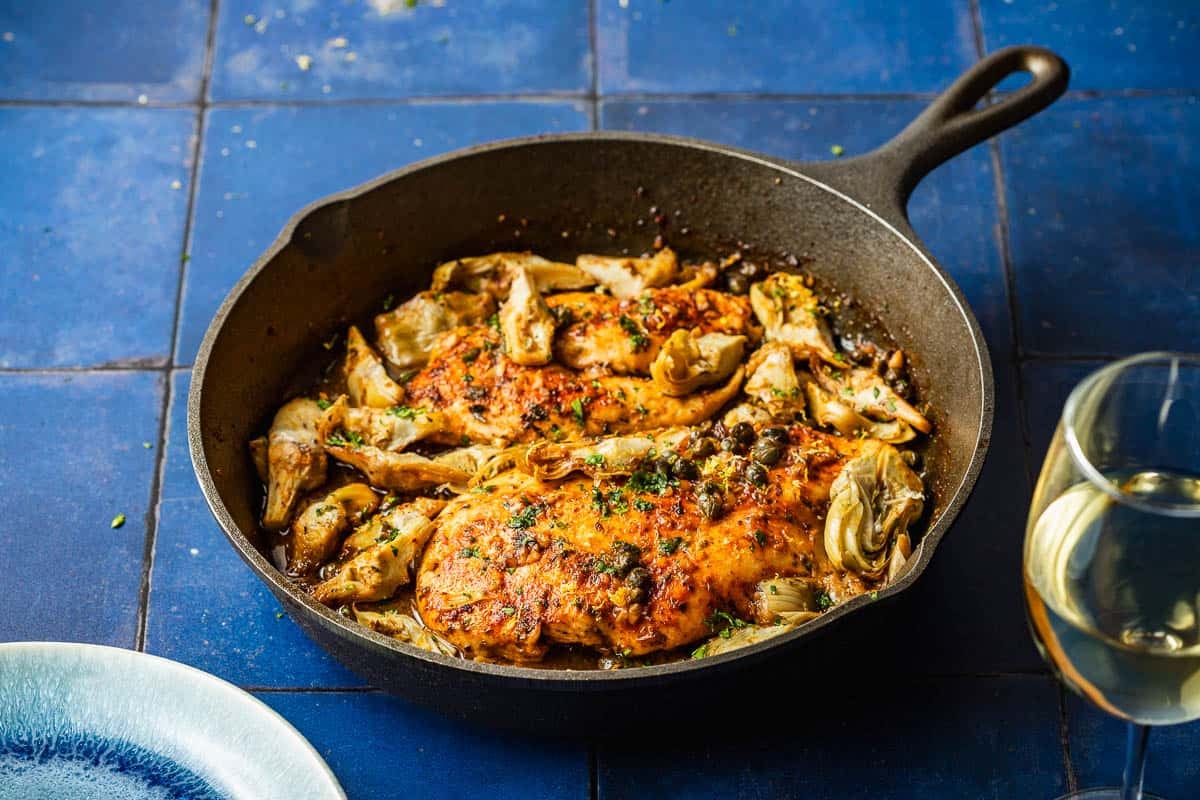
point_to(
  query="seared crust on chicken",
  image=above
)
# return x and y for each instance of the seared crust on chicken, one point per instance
(483, 395)
(511, 571)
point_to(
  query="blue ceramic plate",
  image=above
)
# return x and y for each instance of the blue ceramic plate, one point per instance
(83, 721)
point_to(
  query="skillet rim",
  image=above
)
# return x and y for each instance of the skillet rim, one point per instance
(595, 679)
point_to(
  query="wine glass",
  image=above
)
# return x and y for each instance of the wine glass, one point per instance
(1112, 549)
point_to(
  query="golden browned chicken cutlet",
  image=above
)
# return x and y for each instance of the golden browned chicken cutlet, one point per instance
(625, 335)
(650, 561)
(483, 395)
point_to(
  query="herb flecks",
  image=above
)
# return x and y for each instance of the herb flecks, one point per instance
(638, 339)
(526, 518)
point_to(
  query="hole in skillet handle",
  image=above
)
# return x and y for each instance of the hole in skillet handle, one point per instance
(952, 123)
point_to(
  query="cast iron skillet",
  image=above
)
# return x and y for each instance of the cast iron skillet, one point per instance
(601, 192)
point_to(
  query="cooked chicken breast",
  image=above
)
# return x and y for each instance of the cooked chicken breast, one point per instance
(625, 336)
(634, 564)
(484, 396)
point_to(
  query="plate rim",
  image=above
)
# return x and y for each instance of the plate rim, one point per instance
(187, 673)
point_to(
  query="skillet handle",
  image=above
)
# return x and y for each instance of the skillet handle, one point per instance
(952, 124)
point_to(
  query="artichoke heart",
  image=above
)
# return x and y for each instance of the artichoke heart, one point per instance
(872, 502)
(406, 334)
(526, 322)
(391, 429)
(772, 379)
(295, 459)
(790, 313)
(626, 278)
(367, 381)
(829, 410)
(866, 392)
(602, 458)
(379, 569)
(404, 628)
(687, 361)
(319, 527)
(493, 274)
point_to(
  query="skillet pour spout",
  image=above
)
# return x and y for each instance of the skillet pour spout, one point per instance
(846, 219)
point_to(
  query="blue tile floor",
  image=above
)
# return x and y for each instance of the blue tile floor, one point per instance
(153, 149)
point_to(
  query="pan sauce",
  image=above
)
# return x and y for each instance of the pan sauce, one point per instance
(612, 463)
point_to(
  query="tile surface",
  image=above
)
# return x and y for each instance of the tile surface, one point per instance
(94, 203)
(1105, 240)
(289, 49)
(1110, 45)
(69, 575)
(904, 742)
(241, 205)
(1088, 213)
(781, 46)
(207, 608)
(415, 753)
(1098, 752)
(116, 50)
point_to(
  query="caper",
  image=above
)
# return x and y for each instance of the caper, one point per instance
(686, 470)
(756, 474)
(703, 448)
(902, 388)
(729, 444)
(743, 433)
(776, 432)
(737, 283)
(766, 451)
(638, 580)
(662, 466)
(625, 557)
(710, 504)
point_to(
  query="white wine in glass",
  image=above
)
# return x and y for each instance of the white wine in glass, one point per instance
(1112, 548)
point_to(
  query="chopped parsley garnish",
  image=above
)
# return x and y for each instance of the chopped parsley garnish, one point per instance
(577, 409)
(638, 339)
(641, 409)
(509, 611)
(389, 534)
(406, 376)
(646, 305)
(469, 552)
(323, 510)
(471, 355)
(388, 302)
(594, 460)
(404, 412)
(824, 601)
(603, 567)
(760, 537)
(891, 406)
(527, 518)
(494, 321)
(875, 392)
(344, 439)
(701, 651)
(669, 546)
(726, 622)
(323, 404)
(773, 589)
(642, 505)
(649, 482)
(485, 489)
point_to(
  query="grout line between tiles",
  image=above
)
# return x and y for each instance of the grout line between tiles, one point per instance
(154, 513)
(591, 96)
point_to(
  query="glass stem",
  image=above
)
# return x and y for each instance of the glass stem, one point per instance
(1135, 762)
